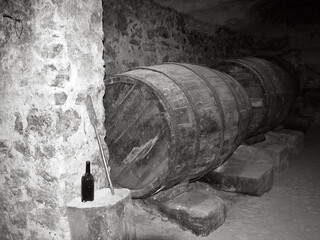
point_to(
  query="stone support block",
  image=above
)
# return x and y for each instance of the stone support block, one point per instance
(247, 177)
(291, 138)
(195, 207)
(108, 217)
(298, 123)
(272, 153)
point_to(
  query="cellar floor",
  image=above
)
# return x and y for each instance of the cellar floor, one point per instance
(290, 211)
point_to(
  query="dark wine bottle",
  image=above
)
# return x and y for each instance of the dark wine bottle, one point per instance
(87, 185)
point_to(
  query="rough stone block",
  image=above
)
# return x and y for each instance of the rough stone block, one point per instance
(275, 154)
(247, 177)
(194, 207)
(60, 98)
(292, 138)
(107, 217)
(298, 123)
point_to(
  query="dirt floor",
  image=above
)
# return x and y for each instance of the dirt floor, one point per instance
(290, 211)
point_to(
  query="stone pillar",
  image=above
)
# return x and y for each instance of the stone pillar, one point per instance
(50, 59)
(107, 217)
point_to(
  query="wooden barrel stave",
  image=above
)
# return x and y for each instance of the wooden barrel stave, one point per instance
(253, 87)
(230, 109)
(271, 84)
(242, 103)
(278, 92)
(204, 108)
(266, 83)
(287, 69)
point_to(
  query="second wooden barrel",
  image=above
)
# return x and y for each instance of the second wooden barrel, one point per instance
(270, 87)
(171, 122)
(287, 69)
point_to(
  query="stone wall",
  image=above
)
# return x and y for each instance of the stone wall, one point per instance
(141, 32)
(50, 58)
(304, 53)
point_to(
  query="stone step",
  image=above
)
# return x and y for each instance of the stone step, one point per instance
(195, 207)
(291, 138)
(272, 153)
(247, 177)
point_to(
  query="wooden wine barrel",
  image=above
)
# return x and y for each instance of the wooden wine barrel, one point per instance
(171, 122)
(269, 86)
(288, 70)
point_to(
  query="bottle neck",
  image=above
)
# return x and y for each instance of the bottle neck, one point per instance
(88, 167)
